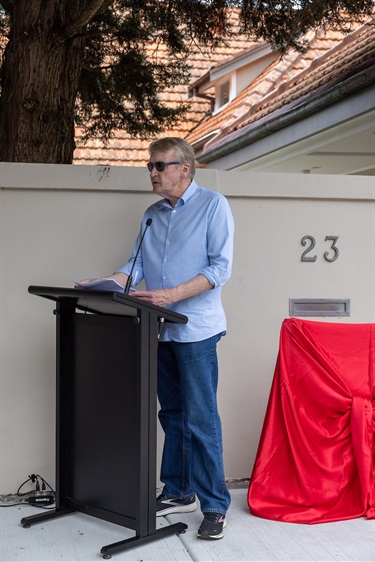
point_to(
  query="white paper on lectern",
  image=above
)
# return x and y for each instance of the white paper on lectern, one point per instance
(104, 284)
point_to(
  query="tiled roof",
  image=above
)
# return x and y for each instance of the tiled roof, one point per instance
(127, 151)
(331, 57)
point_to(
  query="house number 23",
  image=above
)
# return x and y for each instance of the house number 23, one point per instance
(310, 242)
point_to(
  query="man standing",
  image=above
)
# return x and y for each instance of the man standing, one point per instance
(185, 259)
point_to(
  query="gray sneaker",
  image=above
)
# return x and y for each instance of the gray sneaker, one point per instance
(165, 505)
(212, 526)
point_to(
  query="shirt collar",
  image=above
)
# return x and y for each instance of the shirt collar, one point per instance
(188, 193)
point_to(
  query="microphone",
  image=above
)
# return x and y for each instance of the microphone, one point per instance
(130, 278)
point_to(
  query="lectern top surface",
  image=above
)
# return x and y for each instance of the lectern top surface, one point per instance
(104, 302)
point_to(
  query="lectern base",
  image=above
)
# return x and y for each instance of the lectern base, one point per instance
(26, 522)
(176, 528)
(115, 547)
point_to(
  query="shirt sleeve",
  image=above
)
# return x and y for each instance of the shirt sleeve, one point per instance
(220, 234)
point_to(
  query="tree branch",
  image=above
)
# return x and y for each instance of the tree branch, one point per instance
(96, 33)
(85, 16)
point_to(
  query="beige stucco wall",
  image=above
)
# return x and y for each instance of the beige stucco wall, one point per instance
(62, 223)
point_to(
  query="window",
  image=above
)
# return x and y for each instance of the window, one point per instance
(225, 91)
(223, 94)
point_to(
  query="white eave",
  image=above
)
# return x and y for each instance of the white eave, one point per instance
(214, 74)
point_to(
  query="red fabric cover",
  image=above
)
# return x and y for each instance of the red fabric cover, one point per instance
(315, 461)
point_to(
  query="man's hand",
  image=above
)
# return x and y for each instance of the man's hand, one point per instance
(163, 297)
(78, 286)
(158, 297)
(87, 281)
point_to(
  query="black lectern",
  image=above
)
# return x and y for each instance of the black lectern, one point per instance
(106, 347)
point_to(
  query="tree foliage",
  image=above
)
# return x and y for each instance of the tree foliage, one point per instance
(284, 23)
(89, 63)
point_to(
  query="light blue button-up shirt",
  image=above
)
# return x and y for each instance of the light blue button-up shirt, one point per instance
(194, 237)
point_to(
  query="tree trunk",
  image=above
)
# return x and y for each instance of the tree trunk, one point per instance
(40, 76)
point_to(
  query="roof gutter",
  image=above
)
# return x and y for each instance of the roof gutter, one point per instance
(320, 99)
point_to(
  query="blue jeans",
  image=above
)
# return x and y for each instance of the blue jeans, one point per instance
(192, 461)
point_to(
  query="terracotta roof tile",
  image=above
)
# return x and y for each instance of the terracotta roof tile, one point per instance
(328, 69)
(291, 78)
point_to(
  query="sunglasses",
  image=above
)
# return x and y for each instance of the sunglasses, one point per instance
(160, 166)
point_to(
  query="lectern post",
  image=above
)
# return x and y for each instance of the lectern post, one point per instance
(106, 410)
